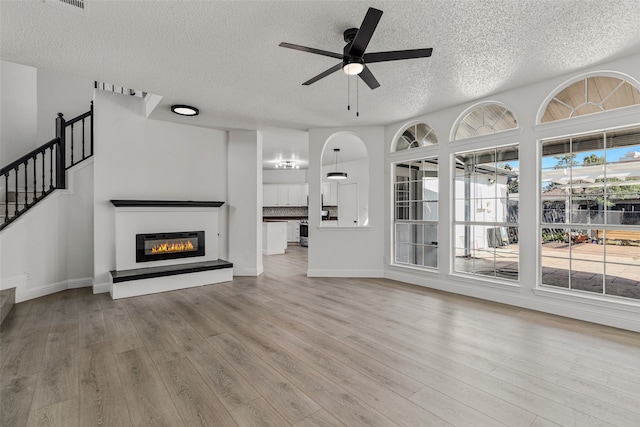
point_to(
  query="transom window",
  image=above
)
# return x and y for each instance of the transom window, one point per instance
(486, 213)
(485, 120)
(591, 95)
(590, 219)
(414, 136)
(416, 213)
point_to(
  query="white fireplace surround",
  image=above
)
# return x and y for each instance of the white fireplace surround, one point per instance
(143, 220)
(147, 217)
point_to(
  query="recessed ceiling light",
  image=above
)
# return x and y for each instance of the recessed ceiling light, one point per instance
(185, 110)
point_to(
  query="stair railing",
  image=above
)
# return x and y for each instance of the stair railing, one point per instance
(38, 173)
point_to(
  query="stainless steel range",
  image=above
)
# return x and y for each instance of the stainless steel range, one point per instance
(304, 233)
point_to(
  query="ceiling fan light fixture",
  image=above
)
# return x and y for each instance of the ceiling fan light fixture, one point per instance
(353, 66)
(185, 110)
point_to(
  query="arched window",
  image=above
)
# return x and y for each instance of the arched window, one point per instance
(417, 135)
(591, 95)
(484, 120)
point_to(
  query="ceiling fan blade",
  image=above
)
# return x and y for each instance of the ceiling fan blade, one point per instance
(395, 55)
(364, 34)
(368, 78)
(323, 74)
(311, 50)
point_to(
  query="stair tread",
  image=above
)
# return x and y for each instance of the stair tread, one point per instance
(7, 301)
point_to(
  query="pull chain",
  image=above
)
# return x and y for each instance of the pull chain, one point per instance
(348, 92)
(357, 99)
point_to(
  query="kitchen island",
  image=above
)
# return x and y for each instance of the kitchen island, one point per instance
(274, 237)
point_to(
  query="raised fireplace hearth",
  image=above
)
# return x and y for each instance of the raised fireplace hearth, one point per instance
(161, 246)
(166, 256)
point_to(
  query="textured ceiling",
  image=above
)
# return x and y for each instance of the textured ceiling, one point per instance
(224, 58)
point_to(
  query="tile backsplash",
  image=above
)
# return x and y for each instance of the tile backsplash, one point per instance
(296, 211)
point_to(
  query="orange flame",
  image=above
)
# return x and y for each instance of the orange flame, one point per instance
(167, 247)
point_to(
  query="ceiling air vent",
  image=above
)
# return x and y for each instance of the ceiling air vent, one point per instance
(71, 5)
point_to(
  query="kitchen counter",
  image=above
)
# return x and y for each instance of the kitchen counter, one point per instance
(283, 218)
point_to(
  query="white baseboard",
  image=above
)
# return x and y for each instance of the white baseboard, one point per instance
(23, 294)
(608, 313)
(14, 282)
(344, 273)
(101, 288)
(85, 282)
(248, 271)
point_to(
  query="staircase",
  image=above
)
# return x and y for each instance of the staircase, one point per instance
(29, 179)
(7, 301)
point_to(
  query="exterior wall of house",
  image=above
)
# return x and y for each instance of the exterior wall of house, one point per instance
(525, 103)
(137, 158)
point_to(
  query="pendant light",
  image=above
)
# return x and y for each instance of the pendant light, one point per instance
(336, 174)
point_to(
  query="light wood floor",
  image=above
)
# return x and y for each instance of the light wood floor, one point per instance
(283, 349)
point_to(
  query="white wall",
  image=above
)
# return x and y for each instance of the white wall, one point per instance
(352, 251)
(60, 93)
(290, 176)
(18, 111)
(245, 202)
(137, 158)
(50, 248)
(31, 101)
(524, 102)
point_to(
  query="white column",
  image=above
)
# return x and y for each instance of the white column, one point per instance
(245, 202)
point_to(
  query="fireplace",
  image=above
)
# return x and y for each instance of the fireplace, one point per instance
(161, 246)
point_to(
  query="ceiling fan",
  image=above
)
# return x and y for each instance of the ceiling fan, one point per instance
(354, 60)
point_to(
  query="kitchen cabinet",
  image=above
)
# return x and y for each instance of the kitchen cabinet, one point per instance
(293, 231)
(329, 193)
(269, 195)
(274, 237)
(285, 194)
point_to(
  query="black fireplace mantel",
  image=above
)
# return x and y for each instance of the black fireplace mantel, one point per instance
(166, 203)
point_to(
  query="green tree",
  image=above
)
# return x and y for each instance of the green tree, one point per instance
(593, 159)
(565, 161)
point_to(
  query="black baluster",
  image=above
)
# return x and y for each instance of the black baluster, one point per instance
(35, 181)
(6, 197)
(61, 156)
(44, 155)
(82, 139)
(26, 181)
(91, 128)
(17, 169)
(51, 167)
(71, 145)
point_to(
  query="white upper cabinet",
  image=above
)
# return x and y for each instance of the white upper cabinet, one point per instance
(329, 193)
(270, 195)
(285, 194)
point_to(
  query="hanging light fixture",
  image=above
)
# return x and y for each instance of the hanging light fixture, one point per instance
(336, 174)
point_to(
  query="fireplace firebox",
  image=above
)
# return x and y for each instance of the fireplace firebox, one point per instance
(161, 246)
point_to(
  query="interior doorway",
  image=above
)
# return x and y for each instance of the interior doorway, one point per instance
(348, 205)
